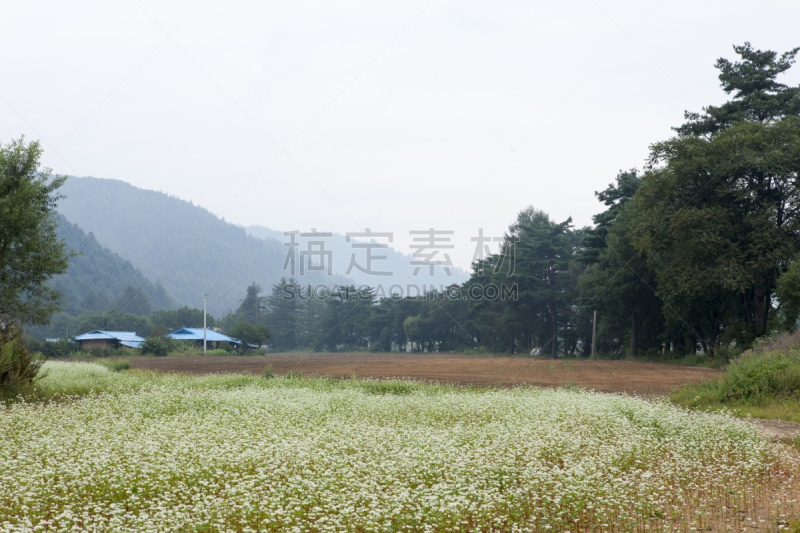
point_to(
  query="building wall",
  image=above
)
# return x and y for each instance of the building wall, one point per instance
(103, 344)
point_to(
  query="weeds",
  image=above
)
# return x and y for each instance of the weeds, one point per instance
(763, 382)
(116, 365)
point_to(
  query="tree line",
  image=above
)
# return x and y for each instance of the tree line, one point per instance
(698, 251)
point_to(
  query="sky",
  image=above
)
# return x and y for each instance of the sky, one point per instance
(392, 116)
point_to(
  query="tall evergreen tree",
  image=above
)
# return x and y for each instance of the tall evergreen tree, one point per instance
(757, 96)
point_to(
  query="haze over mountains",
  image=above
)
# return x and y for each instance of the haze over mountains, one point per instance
(190, 251)
(98, 279)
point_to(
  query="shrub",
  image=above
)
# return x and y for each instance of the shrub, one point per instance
(97, 352)
(761, 375)
(217, 351)
(19, 368)
(225, 345)
(268, 373)
(116, 365)
(54, 350)
(155, 346)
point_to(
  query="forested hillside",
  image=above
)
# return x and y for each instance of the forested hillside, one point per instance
(183, 246)
(99, 281)
(97, 278)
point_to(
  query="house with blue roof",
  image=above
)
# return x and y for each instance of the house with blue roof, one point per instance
(109, 339)
(196, 335)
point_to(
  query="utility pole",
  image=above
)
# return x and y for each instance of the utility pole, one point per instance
(204, 324)
(594, 332)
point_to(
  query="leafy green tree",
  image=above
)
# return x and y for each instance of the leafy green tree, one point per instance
(155, 345)
(716, 218)
(30, 251)
(250, 334)
(415, 331)
(19, 366)
(618, 283)
(757, 96)
(788, 292)
(176, 319)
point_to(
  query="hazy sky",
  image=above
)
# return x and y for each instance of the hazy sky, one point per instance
(394, 116)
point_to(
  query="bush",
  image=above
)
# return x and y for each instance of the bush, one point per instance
(116, 365)
(767, 376)
(268, 373)
(155, 346)
(225, 345)
(54, 350)
(217, 352)
(19, 367)
(97, 352)
(755, 376)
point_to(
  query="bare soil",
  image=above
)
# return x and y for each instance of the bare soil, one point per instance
(604, 376)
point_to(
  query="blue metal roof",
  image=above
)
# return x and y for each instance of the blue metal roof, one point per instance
(131, 344)
(129, 336)
(196, 334)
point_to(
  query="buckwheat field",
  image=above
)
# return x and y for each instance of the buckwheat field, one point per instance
(136, 451)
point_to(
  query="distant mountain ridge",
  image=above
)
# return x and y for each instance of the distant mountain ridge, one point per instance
(185, 247)
(398, 263)
(98, 276)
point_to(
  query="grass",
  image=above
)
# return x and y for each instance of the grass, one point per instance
(115, 365)
(135, 451)
(763, 383)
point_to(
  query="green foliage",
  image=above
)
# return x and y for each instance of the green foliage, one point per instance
(249, 334)
(175, 319)
(132, 300)
(268, 373)
(217, 352)
(755, 377)
(764, 380)
(98, 280)
(30, 250)
(154, 346)
(716, 245)
(112, 321)
(54, 350)
(19, 367)
(788, 292)
(292, 374)
(116, 365)
(757, 96)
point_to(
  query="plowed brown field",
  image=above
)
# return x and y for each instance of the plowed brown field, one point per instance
(604, 376)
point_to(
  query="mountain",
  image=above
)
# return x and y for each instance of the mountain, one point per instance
(98, 279)
(343, 252)
(183, 246)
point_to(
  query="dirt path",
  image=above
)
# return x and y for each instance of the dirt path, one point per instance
(780, 429)
(603, 376)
